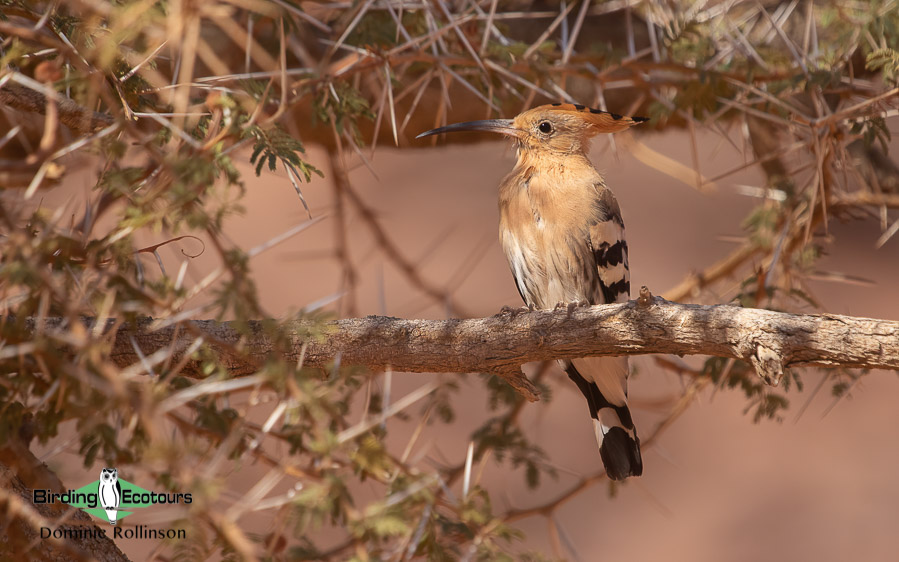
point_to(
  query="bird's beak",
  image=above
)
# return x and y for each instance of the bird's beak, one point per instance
(501, 126)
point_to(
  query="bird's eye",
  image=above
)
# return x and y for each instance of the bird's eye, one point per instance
(545, 127)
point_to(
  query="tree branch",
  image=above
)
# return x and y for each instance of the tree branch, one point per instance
(71, 114)
(769, 340)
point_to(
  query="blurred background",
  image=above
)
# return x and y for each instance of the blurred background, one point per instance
(764, 177)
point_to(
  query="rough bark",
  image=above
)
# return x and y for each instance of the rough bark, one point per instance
(500, 344)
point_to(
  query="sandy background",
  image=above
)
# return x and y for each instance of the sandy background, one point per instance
(716, 486)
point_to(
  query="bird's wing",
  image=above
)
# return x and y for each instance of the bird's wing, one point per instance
(611, 282)
(609, 246)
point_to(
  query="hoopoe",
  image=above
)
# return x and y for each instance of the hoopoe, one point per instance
(561, 230)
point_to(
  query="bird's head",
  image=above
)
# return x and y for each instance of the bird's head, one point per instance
(560, 127)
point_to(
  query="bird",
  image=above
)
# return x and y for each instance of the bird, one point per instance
(110, 491)
(563, 235)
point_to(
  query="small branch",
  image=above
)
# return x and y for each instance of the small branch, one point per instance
(770, 341)
(694, 282)
(393, 253)
(71, 114)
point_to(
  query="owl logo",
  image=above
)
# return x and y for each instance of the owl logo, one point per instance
(110, 492)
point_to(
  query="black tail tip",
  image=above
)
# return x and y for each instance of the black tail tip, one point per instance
(621, 454)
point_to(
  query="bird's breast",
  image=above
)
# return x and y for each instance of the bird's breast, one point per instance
(543, 224)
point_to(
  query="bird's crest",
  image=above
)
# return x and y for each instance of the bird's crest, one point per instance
(604, 121)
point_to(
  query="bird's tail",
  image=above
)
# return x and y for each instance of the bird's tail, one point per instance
(616, 435)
